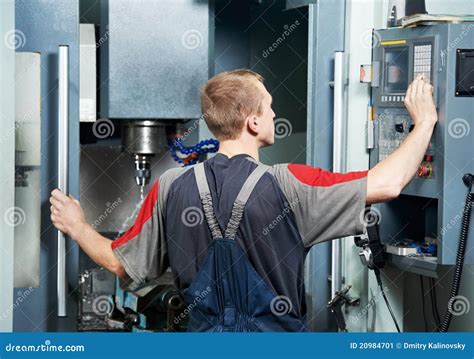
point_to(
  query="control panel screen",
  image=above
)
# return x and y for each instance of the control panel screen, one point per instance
(396, 69)
(465, 72)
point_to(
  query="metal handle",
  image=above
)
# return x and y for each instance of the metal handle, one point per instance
(337, 157)
(63, 132)
(338, 111)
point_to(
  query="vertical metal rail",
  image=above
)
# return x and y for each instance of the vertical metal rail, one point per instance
(338, 158)
(63, 133)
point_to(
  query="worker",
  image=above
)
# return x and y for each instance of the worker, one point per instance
(236, 232)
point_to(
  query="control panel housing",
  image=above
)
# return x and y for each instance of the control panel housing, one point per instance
(430, 208)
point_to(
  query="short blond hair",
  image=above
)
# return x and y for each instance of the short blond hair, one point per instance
(227, 99)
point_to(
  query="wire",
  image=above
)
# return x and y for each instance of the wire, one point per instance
(468, 180)
(423, 299)
(379, 281)
(434, 303)
(433, 306)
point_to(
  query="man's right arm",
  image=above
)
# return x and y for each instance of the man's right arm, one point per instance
(68, 217)
(98, 248)
(386, 180)
(138, 256)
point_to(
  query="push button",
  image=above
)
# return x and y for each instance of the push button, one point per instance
(425, 170)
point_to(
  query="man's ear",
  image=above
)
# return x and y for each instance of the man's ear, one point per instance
(253, 124)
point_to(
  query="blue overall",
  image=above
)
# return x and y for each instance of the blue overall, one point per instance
(227, 294)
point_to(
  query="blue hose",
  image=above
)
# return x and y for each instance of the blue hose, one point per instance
(193, 152)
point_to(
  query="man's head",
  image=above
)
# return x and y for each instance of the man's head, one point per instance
(235, 104)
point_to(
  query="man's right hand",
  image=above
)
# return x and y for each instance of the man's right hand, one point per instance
(420, 103)
(66, 213)
(387, 179)
(68, 217)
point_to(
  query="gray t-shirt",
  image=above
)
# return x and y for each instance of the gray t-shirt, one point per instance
(292, 208)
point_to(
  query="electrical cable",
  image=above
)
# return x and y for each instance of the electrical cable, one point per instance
(433, 312)
(468, 180)
(434, 304)
(436, 319)
(379, 281)
(424, 304)
(376, 258)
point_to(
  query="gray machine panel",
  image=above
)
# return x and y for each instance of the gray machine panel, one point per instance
(46, 26)
(155, 57)
(431, 205)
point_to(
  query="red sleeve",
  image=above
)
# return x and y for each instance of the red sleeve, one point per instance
(326, 205)
(144, 215)
(318, 177)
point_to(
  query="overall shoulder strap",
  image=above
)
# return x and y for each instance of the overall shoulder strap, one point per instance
(241, 200)
(206, 200)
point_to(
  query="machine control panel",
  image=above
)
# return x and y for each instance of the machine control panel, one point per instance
(400, 61)
(429, 206)
(393, 129)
